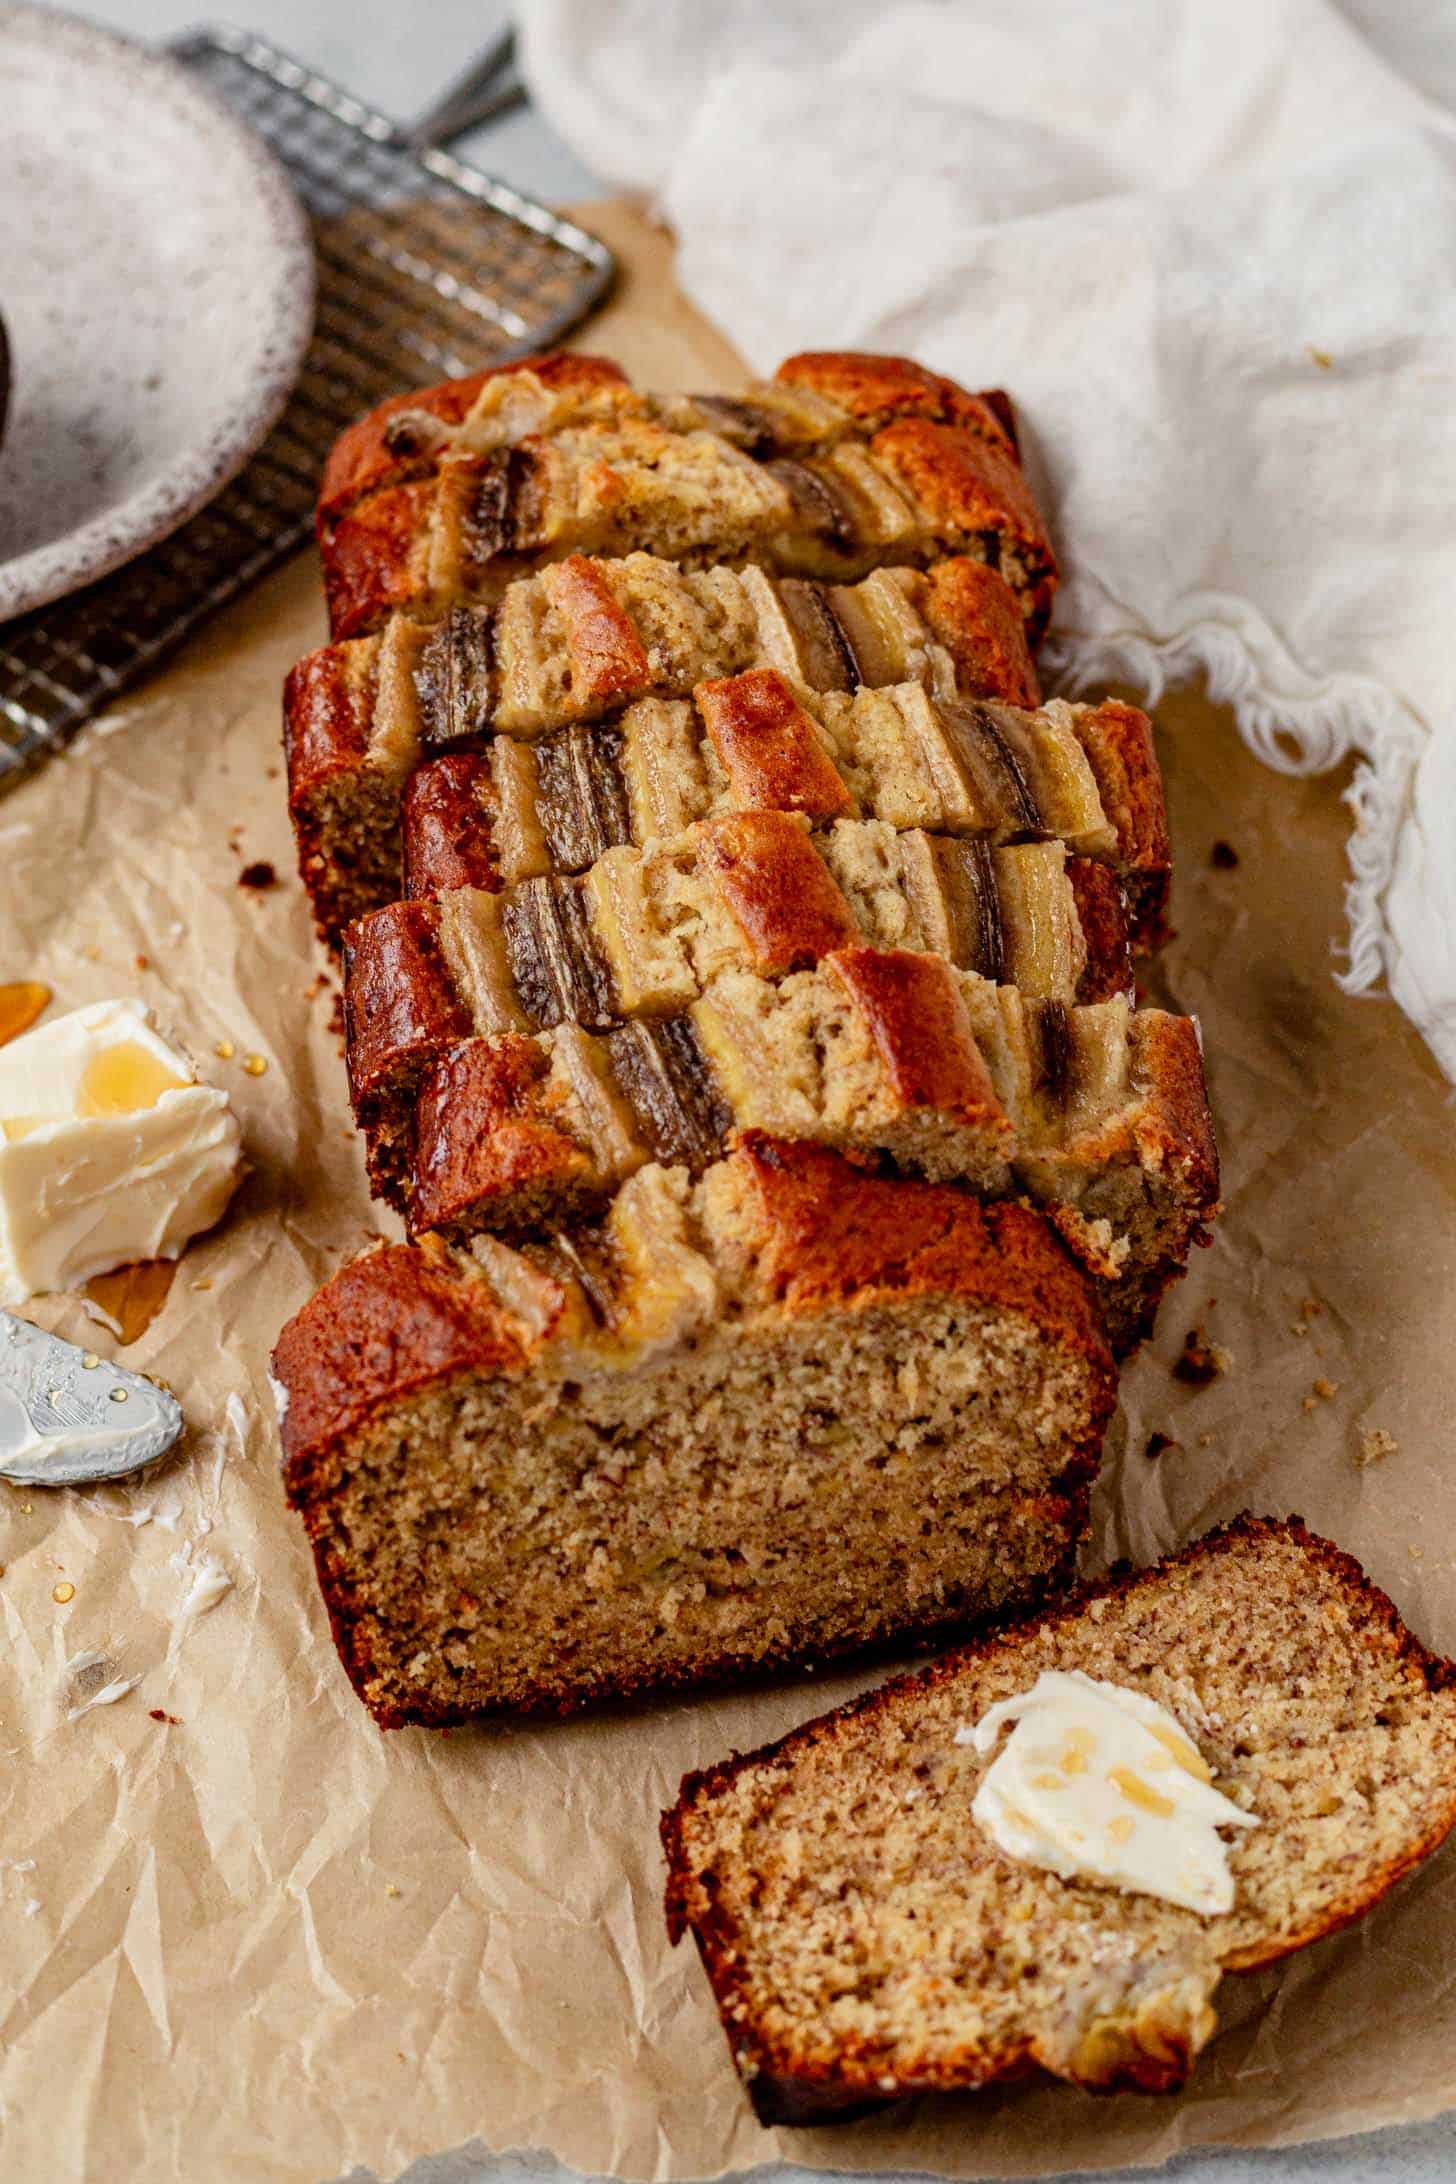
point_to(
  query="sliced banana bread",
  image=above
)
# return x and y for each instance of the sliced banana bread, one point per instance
(500, 811)
(578, 643)
(865, 1937)
(447, 495)
(647, 931)
(788, 1412)
(1096, 1113)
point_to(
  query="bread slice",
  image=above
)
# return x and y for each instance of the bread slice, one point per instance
(1098, 1113)
(865, 1939)
(647, 932)
(578, 643)
(789, 1412)
(448, 496)
(501, 811)
(813, 398)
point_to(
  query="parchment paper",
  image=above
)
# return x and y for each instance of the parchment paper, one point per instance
(262, 1940)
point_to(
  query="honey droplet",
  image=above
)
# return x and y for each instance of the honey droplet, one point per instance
(20, 1005)
(255, 1064)
(124, 1078)
(1140, 1793)
(1183, 1754)
(224, 1050)
(133, 1295)
(63, 1593)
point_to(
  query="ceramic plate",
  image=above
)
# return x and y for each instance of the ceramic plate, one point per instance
(156, 286)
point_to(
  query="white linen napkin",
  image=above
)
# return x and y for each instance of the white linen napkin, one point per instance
(1211, 251)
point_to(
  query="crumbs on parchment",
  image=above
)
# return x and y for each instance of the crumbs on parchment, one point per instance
(1200, 1361)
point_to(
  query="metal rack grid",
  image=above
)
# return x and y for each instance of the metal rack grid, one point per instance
(426, 269)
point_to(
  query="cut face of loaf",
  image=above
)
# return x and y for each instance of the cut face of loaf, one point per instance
(583, 640)
(447, 497)
(788, 1412)
(865, 1939)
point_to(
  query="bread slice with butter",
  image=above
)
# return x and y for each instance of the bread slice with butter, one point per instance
(866, 1935)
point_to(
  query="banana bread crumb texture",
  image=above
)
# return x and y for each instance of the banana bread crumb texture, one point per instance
(864, 1939)
(787, 1412)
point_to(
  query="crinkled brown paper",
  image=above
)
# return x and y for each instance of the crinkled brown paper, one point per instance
(262, 1939)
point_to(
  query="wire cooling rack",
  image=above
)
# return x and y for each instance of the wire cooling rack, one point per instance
(426, 269)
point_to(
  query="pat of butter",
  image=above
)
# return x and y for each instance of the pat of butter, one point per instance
(1100, 1783)
(110, 1150)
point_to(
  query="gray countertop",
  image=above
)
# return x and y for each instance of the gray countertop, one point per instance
(389, 58)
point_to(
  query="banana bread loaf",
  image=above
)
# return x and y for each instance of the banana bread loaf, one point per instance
(865, 1937)
(578, 643)
(447, 495)
(788, 1412)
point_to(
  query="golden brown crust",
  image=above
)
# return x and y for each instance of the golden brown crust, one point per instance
(777, 888)
(832, 1234)
(769, 747)
(874, 390)
(327, 710)
(922, 1031)
(328, 702)
(394, 1320)
(371, 557)
(401, 1005)
(405, 473)
(485, 1135)
(969, 487)
(1177, 1133)
(973, 611)
(446, 827)
(1102, 914)
(609, 665)
(368, 455)
(401, 1322)
(1118, 741)
(786, 2088)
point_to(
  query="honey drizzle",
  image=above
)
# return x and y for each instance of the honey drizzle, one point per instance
(133, 1295)
(21, 1004)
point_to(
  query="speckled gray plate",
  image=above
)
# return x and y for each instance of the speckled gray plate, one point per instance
(156, 283)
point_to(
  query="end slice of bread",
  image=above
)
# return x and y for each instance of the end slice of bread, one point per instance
(788, 1412)
(865, 1939)
(841, 464)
